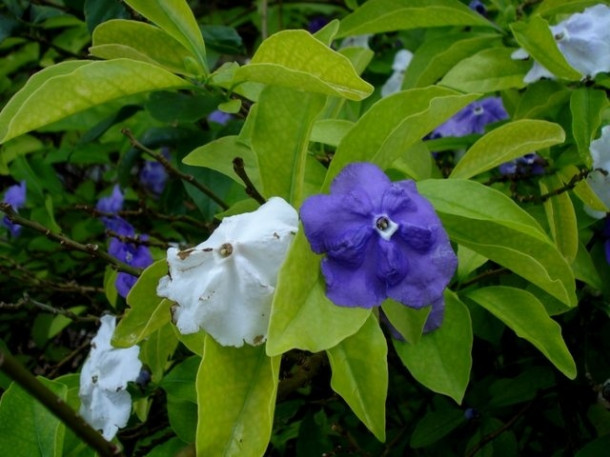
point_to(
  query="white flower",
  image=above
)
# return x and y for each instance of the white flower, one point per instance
(357, 41)
(105, 402)
(225, 285)
(583, 39)
(402, 59)
(599, 178)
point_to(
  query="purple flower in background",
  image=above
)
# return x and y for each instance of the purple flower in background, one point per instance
(153, 175)
(529, 164)
(134, 254)
(381, 239)
(14, 196)
(113, 203)
(316, 24)
(219, 117)
(478, 6)
(473, 118)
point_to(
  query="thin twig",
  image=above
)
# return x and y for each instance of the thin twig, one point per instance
(57, 406)
(240, 170)
(264, 18)
(560, 190)
(174, 171)
(59, 311)
(496, 433)
(91, 249)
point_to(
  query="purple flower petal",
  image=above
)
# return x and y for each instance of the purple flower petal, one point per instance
(113, 203)
(381, 239)
(436, 316)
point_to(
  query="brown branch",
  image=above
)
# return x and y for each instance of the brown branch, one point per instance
(174, 171)
(91, 249)
(240, 170)
(496, 433)
(57, 406)
(560, 190)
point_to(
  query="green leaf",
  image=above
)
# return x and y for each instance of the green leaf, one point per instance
(376, 16)
(584, 269)
(295, 59)
(436, 56)
(553, 7)
(393, 124)
(473, 200)
(96, 12)
(542, 99)
(28, 428)
(236, 389)
(176, 18)
(442, 359)
(488, 70)
(507, 142)
(156, 350)
(409, 322)
(360, 374)
(148, 312)
(561, 217)
(178, 383)
(71, 87)
(330, 131)
(536, 38)
(528, 254)
(219, 154)
(302, 317)
(586, 106)
(139, 41)
(436, 425)
(416, 162)
(523, 313)
(282, 128)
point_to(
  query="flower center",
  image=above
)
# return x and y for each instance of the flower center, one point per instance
(478, 110)
(386, 227)
(226, 250)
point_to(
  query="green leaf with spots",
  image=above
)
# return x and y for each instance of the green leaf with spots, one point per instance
(360, 374)
(302, 317)
(442, 359)
(236, 389)
(147, 311)
(507, 142)
(376, 16)
(176, 18)
(72, 87)
(295, 59)
(139, 41)
(523, 313)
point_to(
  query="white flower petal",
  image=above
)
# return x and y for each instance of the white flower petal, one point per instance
(105, 403)
(393, 84)
(600, 183)
(402, 59)
(225, 285)
(600, 150)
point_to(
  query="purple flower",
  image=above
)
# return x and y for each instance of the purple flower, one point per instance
(316, 24)
(478, 6)
(134, 254)
(220, 117)
(14, 196)
(473, 118)
(153, 174)
(381, 239)
(113, 203)
(529, 164)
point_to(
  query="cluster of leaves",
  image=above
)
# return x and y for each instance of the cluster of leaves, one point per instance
(105, 85)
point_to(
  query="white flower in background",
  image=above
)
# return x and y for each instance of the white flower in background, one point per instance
(357, 41)
(105, 402)
(583, 39)
(225, 285)
(402, 59)
(599, 178)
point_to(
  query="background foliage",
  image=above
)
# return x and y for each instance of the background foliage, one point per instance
(94, 93)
